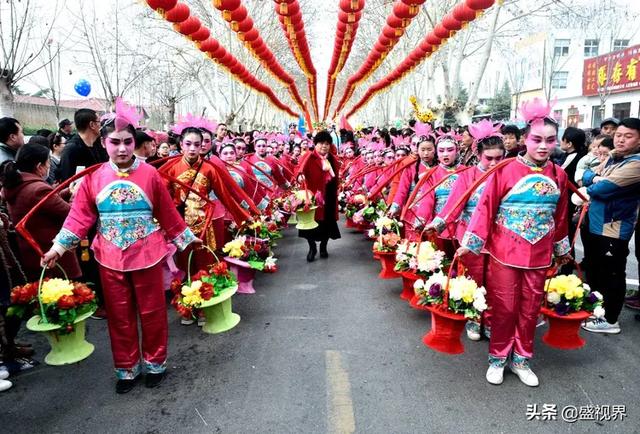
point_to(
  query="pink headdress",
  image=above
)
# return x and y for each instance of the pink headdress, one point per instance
(123, 116)
(450, 136)
(191, 121)
(398, 141)
(536, 110)
(482, 130)
(423, 130)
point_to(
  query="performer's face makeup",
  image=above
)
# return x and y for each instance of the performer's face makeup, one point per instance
(191, 146)
(540, 141)
(348, 153)
(261, 148)
(447, 152)
(228, 154)
(490, 157)
(206, 144)
(426, 152)
(241, 148)
(119, 146)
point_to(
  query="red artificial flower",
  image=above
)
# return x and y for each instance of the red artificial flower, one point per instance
(184, 311)
(272, 227)
(176, 286)
(206, 291)
(66, 302)
(220, 269)
(199, 275)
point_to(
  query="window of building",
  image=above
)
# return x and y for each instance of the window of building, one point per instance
(622, 110)
(596, 116)
(561, 47)
(557, 115)
(559, 80)
(620, 44)
(591, 47)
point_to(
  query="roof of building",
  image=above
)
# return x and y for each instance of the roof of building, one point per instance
(96, 104)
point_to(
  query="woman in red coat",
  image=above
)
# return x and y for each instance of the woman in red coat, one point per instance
(320, 169)
(24, 186)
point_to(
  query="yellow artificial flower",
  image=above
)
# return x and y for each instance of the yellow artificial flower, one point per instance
(234, 248)
(191, 294)
(53, 289)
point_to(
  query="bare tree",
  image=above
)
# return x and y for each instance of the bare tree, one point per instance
(24, 37)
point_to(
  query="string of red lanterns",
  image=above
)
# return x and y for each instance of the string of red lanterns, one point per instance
(190, 26)
(403, 12)
(291, 22)
(347, 27)
(458, 18)
(235, 13)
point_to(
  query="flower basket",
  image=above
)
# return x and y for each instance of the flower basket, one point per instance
(209, 292)
(408, 279)
(63, 319)
(66, 348)
(388, 262)
(245, 274)
(452, 302)
(306, 219)
(563, 332)
(568, 302)
(253, 252)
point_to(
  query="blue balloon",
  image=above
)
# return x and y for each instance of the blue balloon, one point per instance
(82, 87)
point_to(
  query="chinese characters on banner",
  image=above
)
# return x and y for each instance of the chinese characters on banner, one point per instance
(612, 73)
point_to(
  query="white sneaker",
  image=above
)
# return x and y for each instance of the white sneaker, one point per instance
(600, 325)
(5, 384)
(201, 321)
(185, 321)
(473, 330)
(526, 375)
(495, 374)
(4, 373)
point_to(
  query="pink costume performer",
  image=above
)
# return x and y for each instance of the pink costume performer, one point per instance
(134, 213)
(521, 221)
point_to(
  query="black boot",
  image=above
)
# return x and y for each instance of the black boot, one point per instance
(311, 256)
(125, 386)
(323, 249)
(153, 380)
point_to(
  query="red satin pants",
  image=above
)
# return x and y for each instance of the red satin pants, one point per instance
(515, 295)
(129, 295)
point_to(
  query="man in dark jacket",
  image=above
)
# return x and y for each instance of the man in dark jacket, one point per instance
(83, 149)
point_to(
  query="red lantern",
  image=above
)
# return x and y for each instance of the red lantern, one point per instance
(351, 5)
(441, 32)
(395, 22)
(379, 47)
(433, 39)
(189, 26)
(426, 47)
(387, 42)
(403, 11)
(178, 14)
(243, 26)
(478, 5)
(218, 53)
(416, 56)
(414, 4)
(200, 35)
(236, 15)
(250, 35)
(226, 59)
(451, 23)
(288, 9)
(464, 13)
(226, 5)
(208, 45)
(392, 33)
(162, 6)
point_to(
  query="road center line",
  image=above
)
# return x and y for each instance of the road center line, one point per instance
(340, 418)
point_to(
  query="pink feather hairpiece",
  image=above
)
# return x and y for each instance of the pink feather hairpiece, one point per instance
(191, 121)
(423, 130)
(536, 109)
(124, 115)
(482, 130)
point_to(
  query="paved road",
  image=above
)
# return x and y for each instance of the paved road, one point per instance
(325, 347)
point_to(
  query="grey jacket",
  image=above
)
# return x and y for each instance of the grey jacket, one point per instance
(7, 153)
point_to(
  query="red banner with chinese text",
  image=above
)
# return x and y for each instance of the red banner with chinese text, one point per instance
(612, 72)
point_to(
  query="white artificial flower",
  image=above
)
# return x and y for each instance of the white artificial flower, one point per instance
(401, 257)
(455, 292)
(598, 312)
(371, 233)
(270, 262)
(586, 287)
(598, 295)
(553, 297)
(418, 284)
(480, 304)
(481, 290)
